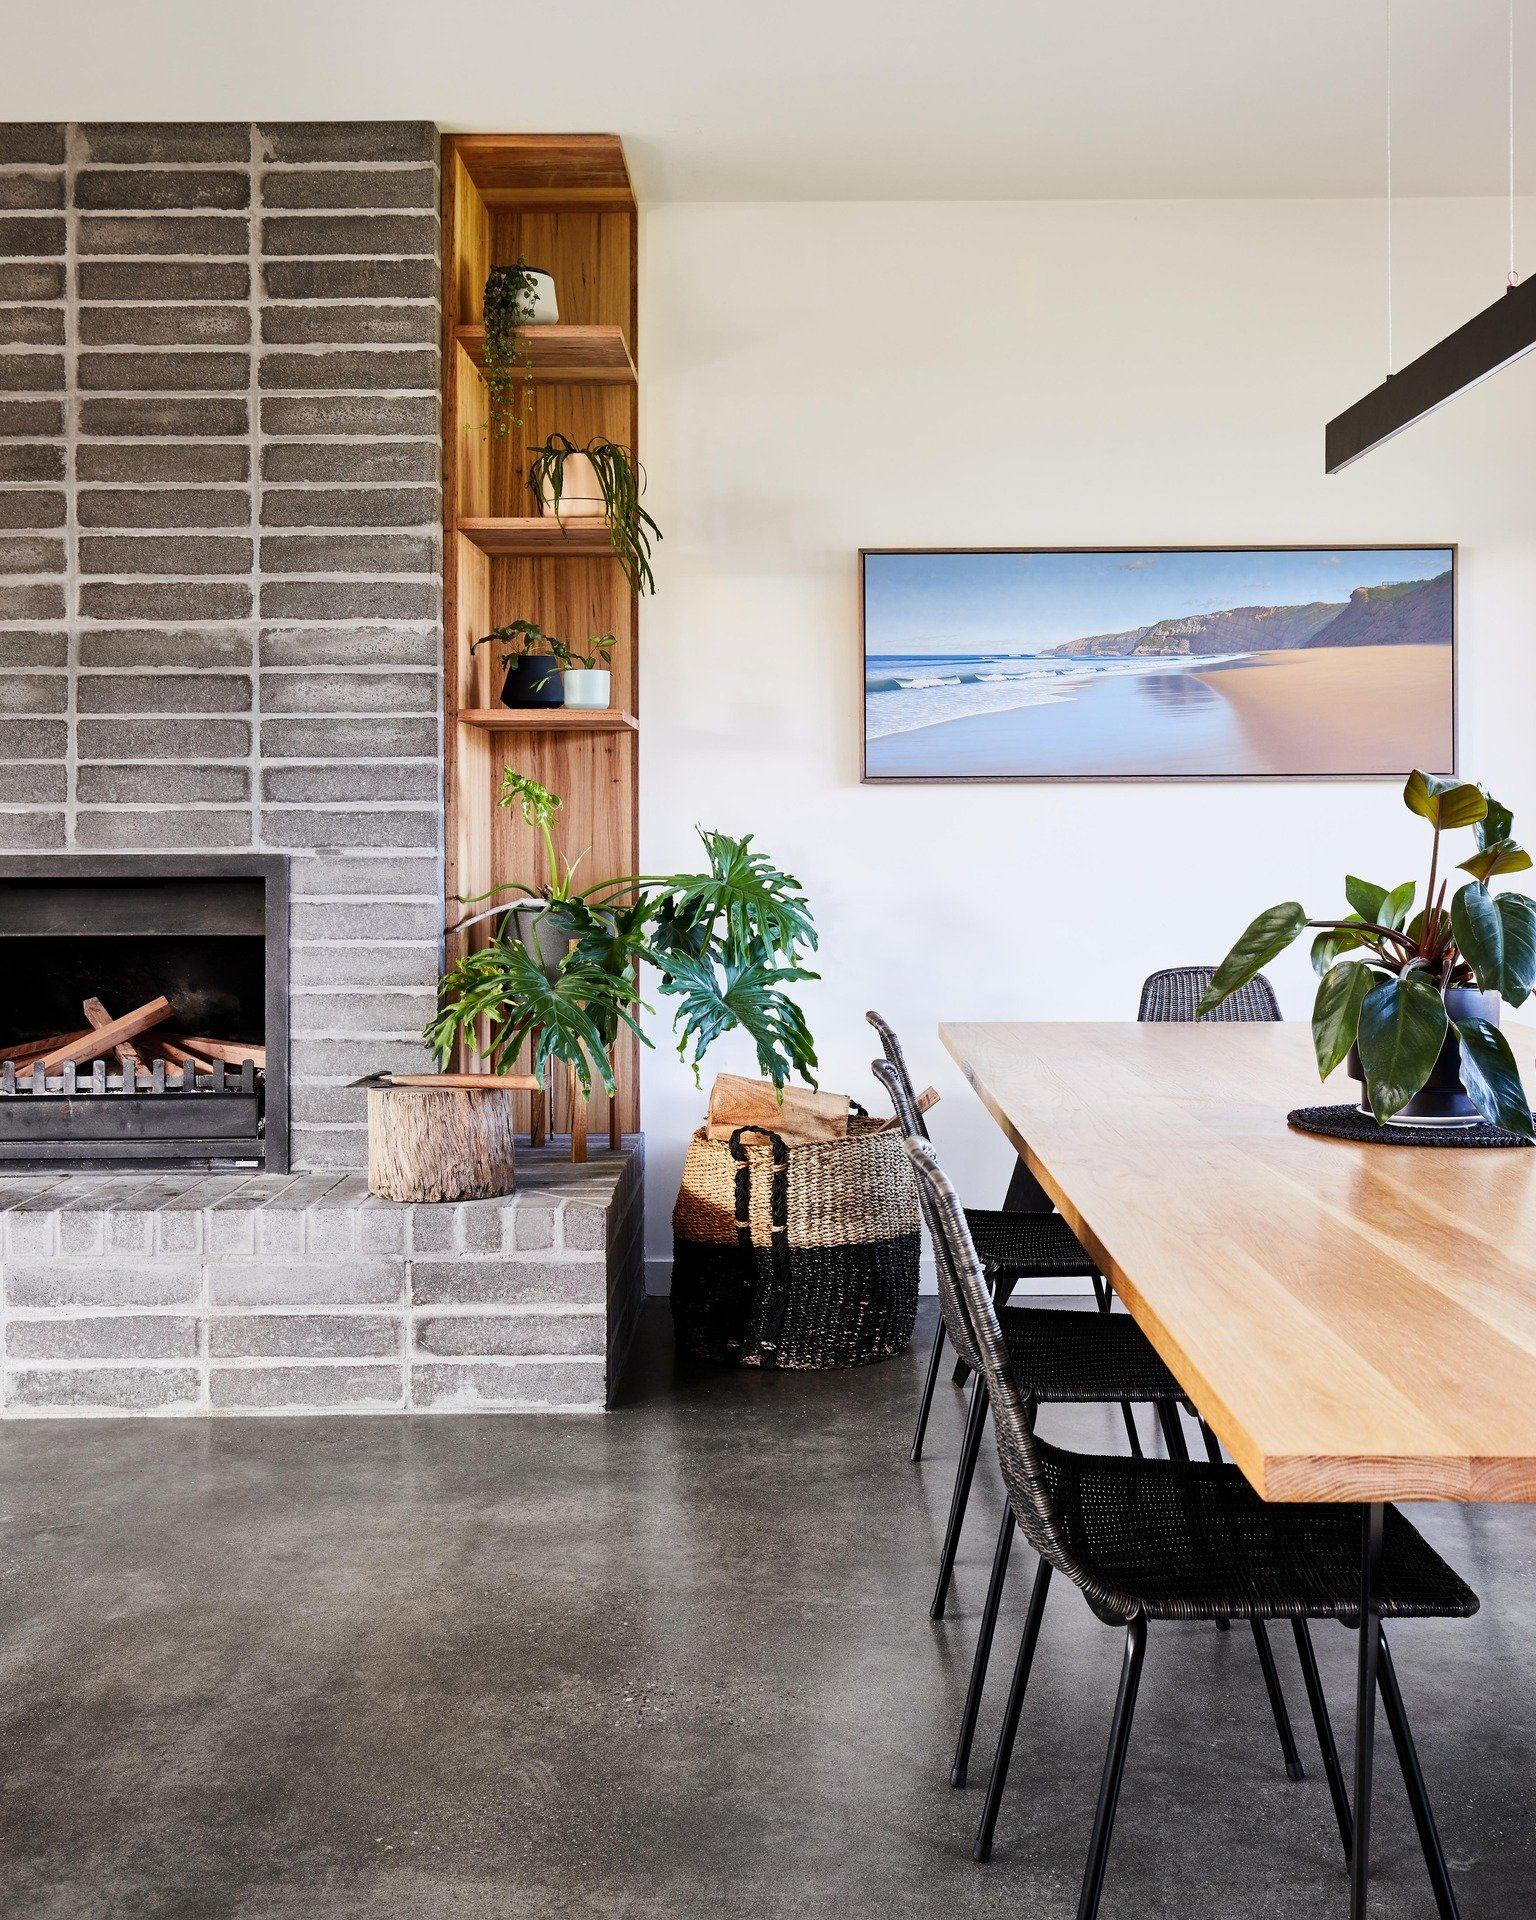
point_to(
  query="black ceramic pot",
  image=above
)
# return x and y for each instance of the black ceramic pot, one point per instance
(1442, 1100)
(533, 680)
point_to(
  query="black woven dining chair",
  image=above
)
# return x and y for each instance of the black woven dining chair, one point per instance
(1014, 1245)
(1174, 994)
(1068, 1357)
(1152, 1540)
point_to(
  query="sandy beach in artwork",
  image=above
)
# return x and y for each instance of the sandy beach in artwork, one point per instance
(1333, 710)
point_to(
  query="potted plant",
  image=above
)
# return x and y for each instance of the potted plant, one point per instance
(726, 943)
(515, 298)
(598, 481)
(585, 675)
(1415, 1012)
(531, 662)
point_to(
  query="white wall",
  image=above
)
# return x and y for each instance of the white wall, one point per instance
(824, 376)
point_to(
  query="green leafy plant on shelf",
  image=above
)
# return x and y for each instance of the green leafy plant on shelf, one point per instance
(1389, 999)
(510, 301)
(726, 944)
(522, 640)
(621, 480)
(599, 651)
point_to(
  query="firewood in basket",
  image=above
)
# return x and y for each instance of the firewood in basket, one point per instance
(125, 1050)
(233, 1053)
(91, 1045)
(27, 1050)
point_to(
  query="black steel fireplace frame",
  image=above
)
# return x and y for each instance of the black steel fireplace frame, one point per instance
(272, 870)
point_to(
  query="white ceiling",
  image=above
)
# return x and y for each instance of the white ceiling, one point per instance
(838, 99)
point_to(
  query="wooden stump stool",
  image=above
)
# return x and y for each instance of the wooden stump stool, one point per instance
(442, 1136)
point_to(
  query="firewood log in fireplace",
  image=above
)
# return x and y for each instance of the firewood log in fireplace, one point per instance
(234, 1053)
(99, 1040)
(29, 1050)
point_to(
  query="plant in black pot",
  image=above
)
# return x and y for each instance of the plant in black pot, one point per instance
(1411, 999)
(532, 664)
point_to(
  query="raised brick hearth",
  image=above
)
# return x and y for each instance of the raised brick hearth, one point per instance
(304, 1294)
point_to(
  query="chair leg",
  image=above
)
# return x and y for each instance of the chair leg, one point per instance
(981, 1848)
(970, 1447)
(929, 1379)
(1413, 1780)
(1293, 1767)
(1105, 1298)
(1320, 1720)
(1114, 1772)
(1213, 1454)
(962, 1760)
(1173, 1431)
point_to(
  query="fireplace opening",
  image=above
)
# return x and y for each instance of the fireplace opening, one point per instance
(143, 1012)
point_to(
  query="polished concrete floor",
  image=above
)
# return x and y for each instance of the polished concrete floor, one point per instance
(674, 1661)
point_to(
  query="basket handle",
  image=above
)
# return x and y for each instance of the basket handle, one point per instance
(776, 1300)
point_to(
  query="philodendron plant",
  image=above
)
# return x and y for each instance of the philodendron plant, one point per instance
(1385, 968)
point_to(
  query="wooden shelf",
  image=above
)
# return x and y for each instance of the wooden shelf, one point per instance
(542, 533)
(576, 356)
(549, 719)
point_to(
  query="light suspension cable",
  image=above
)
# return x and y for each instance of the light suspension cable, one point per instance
(1387, 28)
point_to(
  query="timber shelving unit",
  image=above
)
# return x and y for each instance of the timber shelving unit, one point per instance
(562, 202)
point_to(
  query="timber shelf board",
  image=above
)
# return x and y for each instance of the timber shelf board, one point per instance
(575, 356)
(549, 719)
(541, 533)
(558, 170)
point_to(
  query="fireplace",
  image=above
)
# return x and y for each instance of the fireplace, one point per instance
(144, 1012)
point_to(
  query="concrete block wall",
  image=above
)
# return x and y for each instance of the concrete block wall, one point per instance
(273, 1294)
(220, 565)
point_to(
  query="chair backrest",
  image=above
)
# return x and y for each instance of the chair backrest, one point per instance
(956, 1321)
(1174, 994)
(963, 1290)
(891, 1047)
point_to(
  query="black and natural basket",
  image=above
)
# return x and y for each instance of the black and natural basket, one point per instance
(800, 1256)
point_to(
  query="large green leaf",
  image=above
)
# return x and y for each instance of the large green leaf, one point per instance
(1479, 934)
(1364, 896)
(1271, 933)
(1402, 1028)
(1394, 909)
(1444, 803)
(714, 1001)
(1497, 937)
(743, 909)
(1327, 947)
(1496, 825)
(1491, 1077)
(1499, 856)
(1517, 914)
(1336, 1012)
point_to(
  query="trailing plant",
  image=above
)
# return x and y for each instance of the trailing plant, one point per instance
(520, 638)
(1389, 1000)
(622, 480)
(727, 944)
(510, 300)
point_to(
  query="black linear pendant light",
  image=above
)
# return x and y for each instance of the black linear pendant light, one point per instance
(1487, 342)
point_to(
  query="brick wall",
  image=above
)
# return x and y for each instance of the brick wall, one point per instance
(220, 568)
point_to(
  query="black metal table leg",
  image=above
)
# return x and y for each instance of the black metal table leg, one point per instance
(1365, 1707)
(1104, 1294)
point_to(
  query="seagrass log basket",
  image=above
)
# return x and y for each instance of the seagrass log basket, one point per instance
(801, 1256)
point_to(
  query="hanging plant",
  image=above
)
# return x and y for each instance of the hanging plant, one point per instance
(511, 297)
(622, 481)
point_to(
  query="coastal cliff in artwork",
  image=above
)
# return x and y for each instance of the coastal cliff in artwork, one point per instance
(1406, 613)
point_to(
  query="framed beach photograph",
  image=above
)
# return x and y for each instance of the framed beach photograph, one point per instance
(1158, 663)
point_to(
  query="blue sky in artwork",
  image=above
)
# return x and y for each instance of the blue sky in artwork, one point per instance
(1022, 602)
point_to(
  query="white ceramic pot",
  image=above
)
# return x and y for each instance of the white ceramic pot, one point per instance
(581, 493)
(545, 308)
(587, 686)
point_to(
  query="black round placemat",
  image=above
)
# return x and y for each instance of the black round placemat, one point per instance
(1349, 1123)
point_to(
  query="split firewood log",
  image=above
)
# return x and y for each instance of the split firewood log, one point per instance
(99, 1040)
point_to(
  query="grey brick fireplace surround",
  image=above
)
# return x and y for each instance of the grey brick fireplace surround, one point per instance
(220, 628)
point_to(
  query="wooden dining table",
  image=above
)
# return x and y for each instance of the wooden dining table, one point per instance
(1355, 1321)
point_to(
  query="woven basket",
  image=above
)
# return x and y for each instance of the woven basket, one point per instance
(795, 1256)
